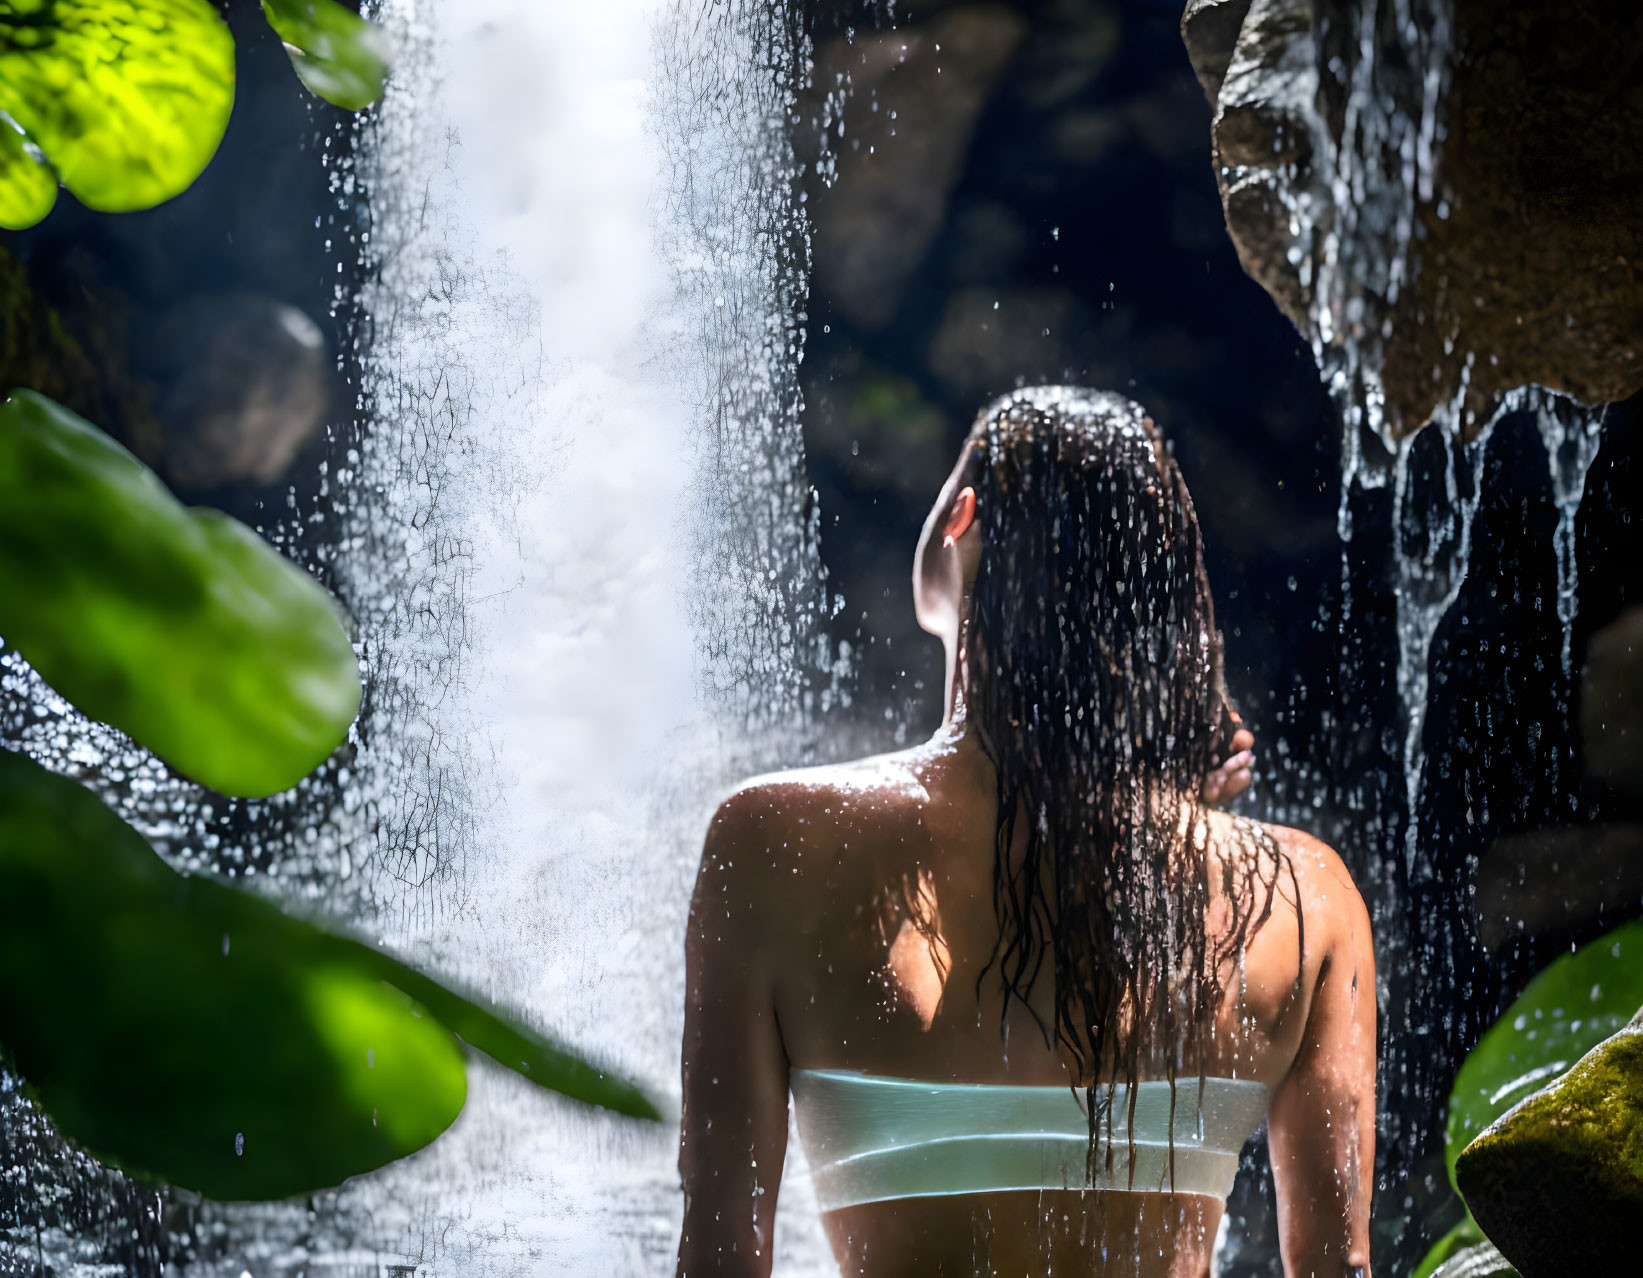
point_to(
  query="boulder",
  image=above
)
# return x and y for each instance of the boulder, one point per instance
(1453, 194)
(1210, 29)
(1557, 1181)
(242, 383)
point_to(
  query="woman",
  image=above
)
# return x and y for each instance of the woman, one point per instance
(1029, 993)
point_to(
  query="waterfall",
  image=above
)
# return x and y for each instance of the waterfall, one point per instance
(584, 566)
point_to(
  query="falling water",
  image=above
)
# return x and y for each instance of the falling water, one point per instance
(1572, 435)
(1377, 138)
(1357, 254)
(1431, 564)
(588, 577)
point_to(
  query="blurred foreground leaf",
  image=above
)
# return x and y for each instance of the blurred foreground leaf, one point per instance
(127, 100)
(511, 1044)
(195, 1034)
(190, 1033)
(339, 55)
(180, 627)
(1576, 1003)
(28, 188)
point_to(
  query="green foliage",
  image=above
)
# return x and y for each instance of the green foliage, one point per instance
(195, 1034)
(336, 53)
(180, 627)
(1576, 1003)
(28, 189)
(509, 1043)
(126, 99)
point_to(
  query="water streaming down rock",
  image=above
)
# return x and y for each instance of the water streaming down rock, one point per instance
(1330, 135)
(1448, 255)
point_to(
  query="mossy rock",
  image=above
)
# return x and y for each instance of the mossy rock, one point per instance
(1557, 1181)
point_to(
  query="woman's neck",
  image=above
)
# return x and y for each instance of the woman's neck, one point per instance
(957, 670)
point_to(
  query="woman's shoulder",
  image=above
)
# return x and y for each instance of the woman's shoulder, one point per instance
(823, 796)
(1313, 875)
(1318, 865)
(775, 838)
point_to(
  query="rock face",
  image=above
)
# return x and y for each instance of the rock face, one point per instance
(1557, 1181)
(1455, 192)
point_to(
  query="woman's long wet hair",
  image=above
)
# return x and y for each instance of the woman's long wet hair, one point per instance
(1094, 683)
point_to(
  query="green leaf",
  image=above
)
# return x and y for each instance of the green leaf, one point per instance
(180, 627)
(1462, 1236)
(28, 188)
(190, 1033)
(511, 1044)
(128, 99)
(337, 54)
(159, 1018)
(1568, 1009)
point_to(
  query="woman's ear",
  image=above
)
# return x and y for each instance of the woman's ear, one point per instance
(959, 519)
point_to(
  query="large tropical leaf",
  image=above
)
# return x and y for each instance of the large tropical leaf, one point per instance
(1568, 1009)
(28, 188)
(190, 1033)
(507, 1041)
(336, 53)
(127, 99)
(180, 627)
(197, 1035)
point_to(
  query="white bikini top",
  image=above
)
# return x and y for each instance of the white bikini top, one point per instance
(868, 1137)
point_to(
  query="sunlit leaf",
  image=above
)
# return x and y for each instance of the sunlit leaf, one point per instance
(180, 627)
(128, 99)
(337, 54)
(191, 1033)
(197, 1035)
(28, 188)
(1576, 1003)
(512, 1044)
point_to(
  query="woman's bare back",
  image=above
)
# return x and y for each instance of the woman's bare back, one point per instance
(844, 919)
